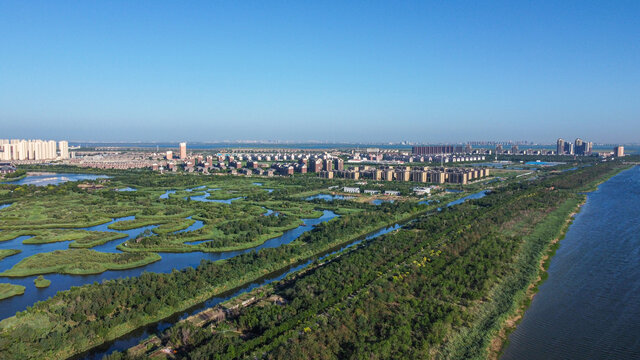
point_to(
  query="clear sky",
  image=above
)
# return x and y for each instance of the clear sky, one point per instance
(320, 70)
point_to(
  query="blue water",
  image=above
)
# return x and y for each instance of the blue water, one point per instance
(380, 201)
(477, 195)
(543, 163)
(205, 198)
(327, 197)
(589, 307)
(126, 189)
(167, 193)
(3, 206)
(169, 261)
(54, 179)
(198, 224)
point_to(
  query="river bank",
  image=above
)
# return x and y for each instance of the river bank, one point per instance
(500, 340)
(588, 305)
(523, 301)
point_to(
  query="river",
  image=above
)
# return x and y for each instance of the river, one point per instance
(589, 308)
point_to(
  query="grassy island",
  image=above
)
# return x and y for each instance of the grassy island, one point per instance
(78, 262)
(9, 290)
(8, 252)
(41, 282)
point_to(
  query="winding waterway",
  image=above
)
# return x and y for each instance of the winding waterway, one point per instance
(169, 261)
(589, 308)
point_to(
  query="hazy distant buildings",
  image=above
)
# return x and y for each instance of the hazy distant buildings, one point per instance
(183, 150)
(169, 155)
(560, 147)
(618, 151)
(580, 147)
(437, 149)
(17, 149)
(64, 149)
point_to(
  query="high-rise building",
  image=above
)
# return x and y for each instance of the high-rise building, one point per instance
(328, 165)
(579, 147)
(588, 148)
(568, 148)
(64, 149)
(183, 150)
(169, 155)
(338, 164)
(560, 147)
(16, 149)
(618, 151)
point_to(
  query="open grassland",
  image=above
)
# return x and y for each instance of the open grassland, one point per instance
(9, 290)
(78, 262)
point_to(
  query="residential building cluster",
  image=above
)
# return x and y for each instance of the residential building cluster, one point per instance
(36, 150)
(579, 147)
(436, 175)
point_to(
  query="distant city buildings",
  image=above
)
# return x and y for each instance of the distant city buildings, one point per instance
(618, 151)
(183, 150)
(19, 150)
(579, 147)
(437, 175)
(437, 149)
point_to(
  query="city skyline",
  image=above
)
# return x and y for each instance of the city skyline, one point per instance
(335, 72)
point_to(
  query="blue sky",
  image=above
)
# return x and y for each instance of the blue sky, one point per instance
(333, 71)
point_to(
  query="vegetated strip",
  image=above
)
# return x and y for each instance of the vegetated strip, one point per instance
(8, 252)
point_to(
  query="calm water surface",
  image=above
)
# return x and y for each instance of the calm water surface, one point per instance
(589, 308)
(54, 179)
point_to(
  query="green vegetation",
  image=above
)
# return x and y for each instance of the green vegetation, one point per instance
(8, 252)
(91, 309)
(9, 290)
(441, 288)
(176, 225)
(410, 294)
(78, 262)
(41, 282)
